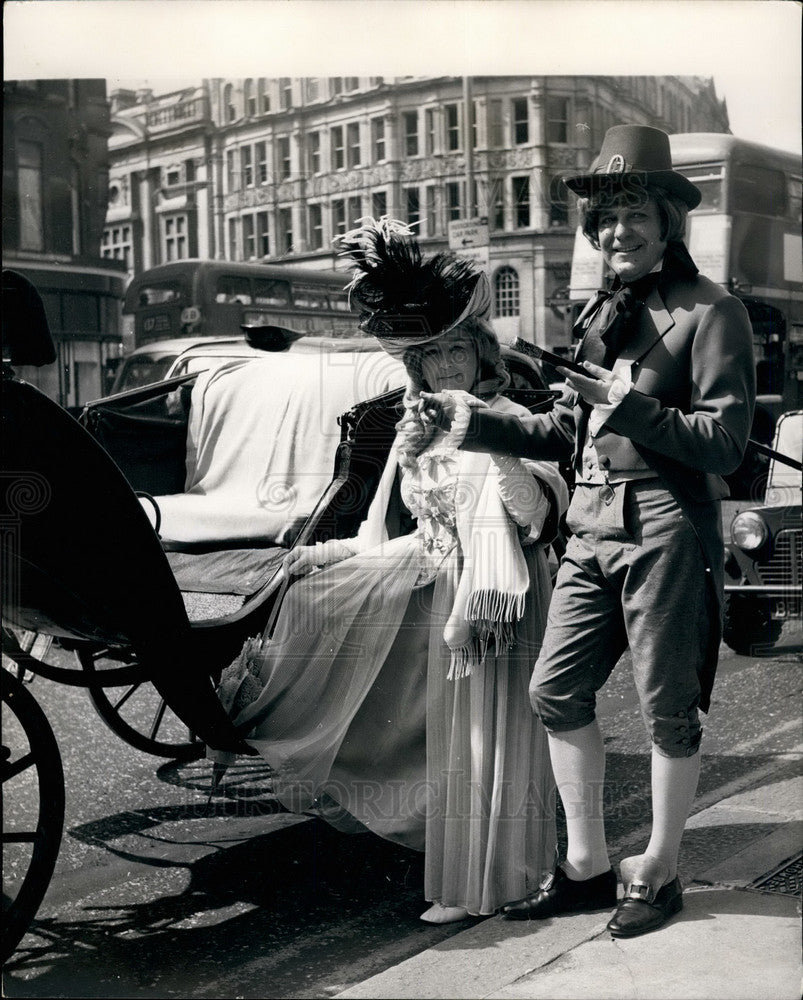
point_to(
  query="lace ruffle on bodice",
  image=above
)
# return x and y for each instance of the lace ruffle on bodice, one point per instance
(428, 491)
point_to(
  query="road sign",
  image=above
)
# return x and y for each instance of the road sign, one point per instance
(478, 254)
(465, 233)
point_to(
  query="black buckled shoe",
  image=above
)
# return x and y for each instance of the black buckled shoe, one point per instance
(642, 909)
(560, 894)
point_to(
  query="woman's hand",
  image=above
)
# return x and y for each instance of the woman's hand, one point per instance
(437, 408)
(594, 388)
(301, 560)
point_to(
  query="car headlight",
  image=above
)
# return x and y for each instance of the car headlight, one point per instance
(749, 531)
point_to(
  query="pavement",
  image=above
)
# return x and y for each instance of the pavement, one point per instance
(735, 939)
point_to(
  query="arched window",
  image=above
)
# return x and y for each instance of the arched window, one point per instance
(506, 292)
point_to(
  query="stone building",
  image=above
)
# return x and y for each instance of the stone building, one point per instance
(274, 168)
(55, 186)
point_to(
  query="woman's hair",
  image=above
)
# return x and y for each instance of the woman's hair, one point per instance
(671, 211)
(492, 378)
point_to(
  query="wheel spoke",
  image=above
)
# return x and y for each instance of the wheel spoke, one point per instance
(21, 764)
(132, 690)
(157, 720)
(21, 837)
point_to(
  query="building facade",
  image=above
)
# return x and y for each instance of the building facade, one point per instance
(272, 169)
(55, 190)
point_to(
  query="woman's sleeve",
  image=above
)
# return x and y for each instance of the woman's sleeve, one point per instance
(526, 498)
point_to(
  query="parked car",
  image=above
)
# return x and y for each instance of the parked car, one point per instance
(164, 358)
(763, 574)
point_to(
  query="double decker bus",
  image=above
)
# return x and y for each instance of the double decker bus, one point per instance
(745, 235)
(215, 298)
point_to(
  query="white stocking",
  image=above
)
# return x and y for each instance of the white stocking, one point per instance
(578, 762)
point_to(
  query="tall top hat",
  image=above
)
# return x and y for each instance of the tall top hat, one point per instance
(634, 156)
(406, 299)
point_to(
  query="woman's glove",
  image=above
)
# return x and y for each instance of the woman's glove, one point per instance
(521, 493)
(305, 558)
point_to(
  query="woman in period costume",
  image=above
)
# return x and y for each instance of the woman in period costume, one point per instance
(393, 693)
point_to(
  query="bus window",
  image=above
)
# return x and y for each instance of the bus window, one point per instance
(158, 294)
(268, 292)
(339, 301)
(758, 190)
(309, 297)
(709, 181)
(233, 289)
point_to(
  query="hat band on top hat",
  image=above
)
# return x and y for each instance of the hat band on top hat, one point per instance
(637, 157)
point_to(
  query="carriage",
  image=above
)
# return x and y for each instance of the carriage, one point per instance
(130, 543)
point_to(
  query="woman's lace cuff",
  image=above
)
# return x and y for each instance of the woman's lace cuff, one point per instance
(464, 402)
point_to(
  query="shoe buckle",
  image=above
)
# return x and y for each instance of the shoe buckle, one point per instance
(640, 890)
(547, 882)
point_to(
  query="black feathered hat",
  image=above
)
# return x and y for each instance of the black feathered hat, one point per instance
(404, 298)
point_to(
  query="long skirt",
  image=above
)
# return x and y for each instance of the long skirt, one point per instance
(360, 724)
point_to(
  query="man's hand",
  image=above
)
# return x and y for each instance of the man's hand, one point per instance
(437, 408)
(593, 389)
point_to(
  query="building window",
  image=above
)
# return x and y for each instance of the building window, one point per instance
(475, 126)
(285, 234)
(232, 234)
(521, 202)
(378, 138)
(285, 93)
(452, 127)
(412, 202)
(410, 120)
(283, 152)
(521, 125)
(172, 177)
(337, 85)
(506, 292)
(379, 204)
(262, 234)
(558, 202)
(429, 131)
(497, 203)
(231, 174)
(313, 89)
(249, 238)
(338, 217)
(116, 244)
(314, 152)
(557, 119)
(353, 143)
(264, 96)
(431, 209)
(453, 201)
(250, 98)
(247, 162)
(316, 227)
(354, 211)
(496, 134)
(261, 150)
(338, 150)
(175, 237)
(29, 189)
(351, 83)
(228, 103)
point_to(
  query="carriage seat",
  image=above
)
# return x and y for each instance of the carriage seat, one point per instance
(261, 442)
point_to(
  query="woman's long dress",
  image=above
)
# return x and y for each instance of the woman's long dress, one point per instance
(359, 722)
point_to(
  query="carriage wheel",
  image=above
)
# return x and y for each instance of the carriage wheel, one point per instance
(136, 711)
(33, 808)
